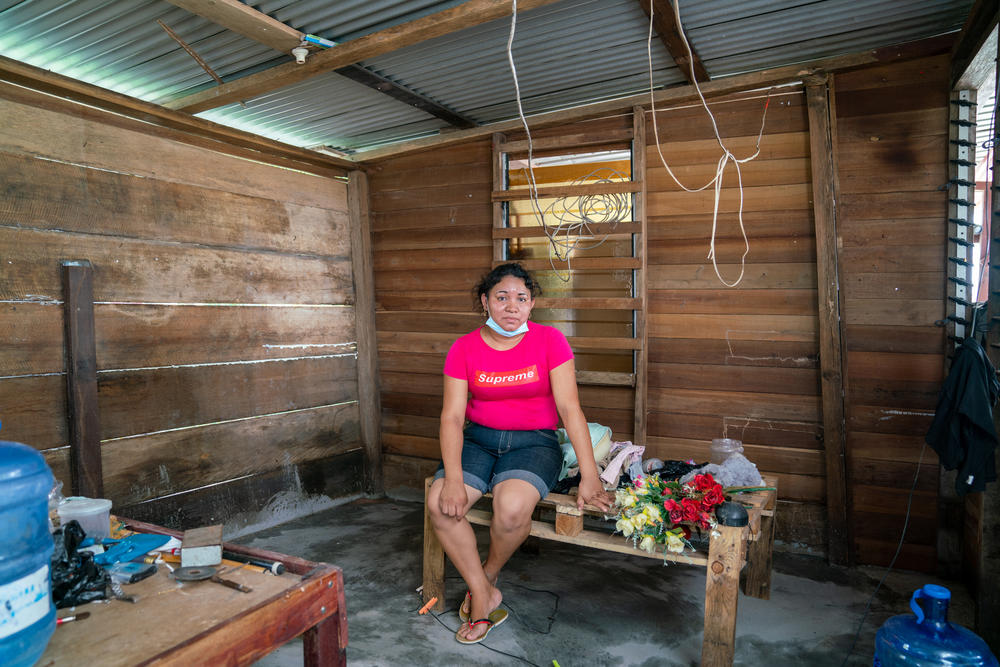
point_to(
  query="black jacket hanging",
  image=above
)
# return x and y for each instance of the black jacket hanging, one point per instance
(962, 432)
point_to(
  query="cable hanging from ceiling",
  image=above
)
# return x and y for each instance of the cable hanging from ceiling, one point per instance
(572, 215)
(727, 155)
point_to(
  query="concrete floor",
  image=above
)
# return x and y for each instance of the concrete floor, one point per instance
(581, 606)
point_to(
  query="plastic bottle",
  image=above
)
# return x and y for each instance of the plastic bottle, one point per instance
(928, 638)
(27, 615)
(722, 449)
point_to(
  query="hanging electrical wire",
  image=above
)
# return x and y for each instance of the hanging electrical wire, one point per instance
(572, 215)
(727, 155)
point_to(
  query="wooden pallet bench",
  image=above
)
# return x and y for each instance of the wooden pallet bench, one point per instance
(732, 551)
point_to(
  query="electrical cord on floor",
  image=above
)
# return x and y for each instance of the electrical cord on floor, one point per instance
(547, 630)
(899, 547)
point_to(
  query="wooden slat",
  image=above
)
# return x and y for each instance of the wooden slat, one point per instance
(778, 354)
(134, 336)
(577, 140)
(439, 196)
(81, 380)
(772, 432)
(431, 238)
(498, 165)
(787, 224)
(889, 312)
(150, 466)
(761, 198)
(822, 126)
(47, 194)
(468, 215)
(245, 20)
(759, 172)
(47, 126)
(757, 276)
(733, 302)
(738, 404)
(641, 288)
(609, 379)
(185, 127)
(364, 302)
(599, 343)
(146, 271)
(788, 460)
(581, 190)
(593, 539)
(734, 327)
(599, 229)
(582, 262)
(588, 303)
(923, 285)
(803, 381)
(770, 249)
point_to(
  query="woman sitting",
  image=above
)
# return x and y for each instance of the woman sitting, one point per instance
(506, 384)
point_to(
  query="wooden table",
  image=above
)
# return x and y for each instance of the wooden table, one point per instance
(205, 623)
(731, 550)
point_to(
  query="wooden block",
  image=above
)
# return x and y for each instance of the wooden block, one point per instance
(202, 546)
(569, 521)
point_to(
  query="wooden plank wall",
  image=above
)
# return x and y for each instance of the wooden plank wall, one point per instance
(739, 362)
(431, 220)
(225, 336)
(893, 149)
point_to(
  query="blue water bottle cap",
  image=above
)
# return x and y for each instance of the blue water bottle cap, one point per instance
(936, 592)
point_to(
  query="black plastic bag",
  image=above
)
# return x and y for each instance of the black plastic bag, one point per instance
(76, 578)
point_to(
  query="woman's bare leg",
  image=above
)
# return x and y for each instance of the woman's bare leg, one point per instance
(459, 542)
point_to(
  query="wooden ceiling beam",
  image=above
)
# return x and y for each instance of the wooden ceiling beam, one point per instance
(466, 15)
(666, 26)
(245, 20)
(258, 26)
(974, 54)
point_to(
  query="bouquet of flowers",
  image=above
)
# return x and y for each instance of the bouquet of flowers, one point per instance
(653, 511)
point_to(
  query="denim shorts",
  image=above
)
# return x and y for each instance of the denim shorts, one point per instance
(490, 456)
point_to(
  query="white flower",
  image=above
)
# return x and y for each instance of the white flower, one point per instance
(675, 543)
(648, 544)
(624, 526)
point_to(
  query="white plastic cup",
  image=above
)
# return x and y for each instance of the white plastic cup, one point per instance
(93, 514)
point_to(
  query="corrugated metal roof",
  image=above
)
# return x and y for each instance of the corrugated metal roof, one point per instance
(567, 53)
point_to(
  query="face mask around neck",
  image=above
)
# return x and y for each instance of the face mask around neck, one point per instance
(491, 323)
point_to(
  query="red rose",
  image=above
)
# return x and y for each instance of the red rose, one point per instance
(687, 532)
(712, 497)
(703, 520)
(691, 509)
(675, 510)
(704, 482)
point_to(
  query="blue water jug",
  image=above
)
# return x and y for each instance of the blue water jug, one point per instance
(928, 638)
(27, 615)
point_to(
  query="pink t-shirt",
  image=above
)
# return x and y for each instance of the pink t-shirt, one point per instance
(510, 389)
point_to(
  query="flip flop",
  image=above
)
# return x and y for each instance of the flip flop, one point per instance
(497, 616)
(463, 615)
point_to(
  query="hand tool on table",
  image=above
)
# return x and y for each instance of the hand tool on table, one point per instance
(201, 573)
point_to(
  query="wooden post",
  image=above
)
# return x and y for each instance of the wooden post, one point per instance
(499, 171)
(641, 356)
(826, 194)
(722, 591)
(988, 557)
(87, 478)
(756, 581)
(362, 264)
(433, 558)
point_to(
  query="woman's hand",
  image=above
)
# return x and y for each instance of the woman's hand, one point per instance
(453, 498)
(592, 492)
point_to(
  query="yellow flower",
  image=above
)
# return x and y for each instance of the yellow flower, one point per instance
(625, 498)
(648, 544)
(675, 543)
(640, 520)
(653, 514)
(624, 526)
